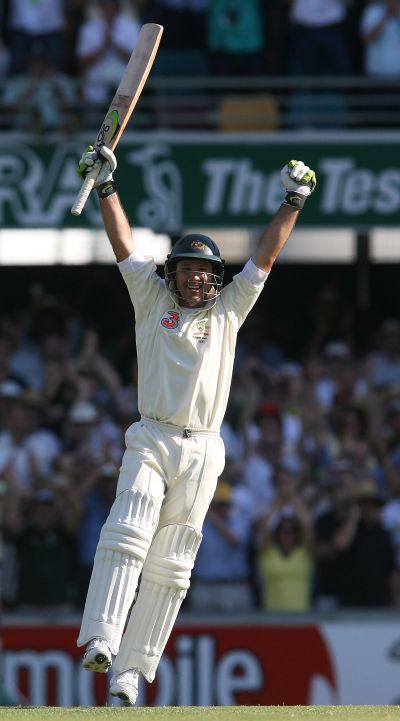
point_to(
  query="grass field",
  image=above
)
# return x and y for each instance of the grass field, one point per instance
(205, 713)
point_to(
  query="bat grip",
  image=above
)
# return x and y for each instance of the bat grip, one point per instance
(84, 192)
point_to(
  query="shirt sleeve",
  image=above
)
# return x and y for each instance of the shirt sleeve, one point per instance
(239, 296)
(143, 283)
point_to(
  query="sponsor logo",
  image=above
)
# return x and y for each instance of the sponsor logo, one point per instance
(109, 128)
(211, 666)
(170, 320)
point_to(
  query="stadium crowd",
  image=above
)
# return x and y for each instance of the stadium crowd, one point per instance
(57, 55)
(307, 511)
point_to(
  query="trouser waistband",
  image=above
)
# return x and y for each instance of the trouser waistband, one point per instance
(178, 430)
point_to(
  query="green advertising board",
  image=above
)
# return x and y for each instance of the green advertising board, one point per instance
(169, 182)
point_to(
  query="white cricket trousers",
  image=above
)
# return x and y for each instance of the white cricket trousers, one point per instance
(167, 479)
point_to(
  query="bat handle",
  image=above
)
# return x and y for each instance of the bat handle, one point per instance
(84, 192)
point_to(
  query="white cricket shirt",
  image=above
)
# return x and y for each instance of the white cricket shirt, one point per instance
(185, 356)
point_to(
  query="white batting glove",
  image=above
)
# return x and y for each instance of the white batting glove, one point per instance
(299, 182)
(105, 160)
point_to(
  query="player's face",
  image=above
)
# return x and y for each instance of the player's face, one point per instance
(194, 281)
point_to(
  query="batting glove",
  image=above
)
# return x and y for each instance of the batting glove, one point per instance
(104, 160)
(299, 182)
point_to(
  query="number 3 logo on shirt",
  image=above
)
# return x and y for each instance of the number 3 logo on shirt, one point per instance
(170, 320)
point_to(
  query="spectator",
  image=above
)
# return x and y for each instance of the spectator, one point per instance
(235, 38)
(105, 43)
(93, 498)
(42, 532)
(91, 437)
(184, 22)
(261, 460)
(41, 98)
(28, 450)
(286, 554)
(366, 564)
(339, 484)
(36, 28)
(379, 28)
(338, 378)
(319, 39)
(384, 363)
(221, 579)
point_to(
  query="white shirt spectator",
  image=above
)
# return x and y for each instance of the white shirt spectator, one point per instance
(257, 477)
(106, 72)
(42, 447)
(37, 18)
(318, 13)
(382, 54)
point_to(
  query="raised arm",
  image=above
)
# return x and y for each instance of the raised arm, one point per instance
(299, 181)
(115, 221)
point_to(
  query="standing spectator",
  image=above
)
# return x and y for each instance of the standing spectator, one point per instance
(339, 484)
(320, 45)
(379, 28)
(235, 37)
(28, 450)
(42, 532)
(93, 498)
(36, 27)
(221, 579)
(286, 555)
(184, 24)
(105, 43)
(384, 363)
(366, 563)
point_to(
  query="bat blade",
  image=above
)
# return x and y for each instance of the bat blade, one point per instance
(124, 101)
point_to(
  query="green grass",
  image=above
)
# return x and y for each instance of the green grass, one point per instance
(205, 713)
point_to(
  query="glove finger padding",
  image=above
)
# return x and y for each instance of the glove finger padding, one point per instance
(86, 162)
(299, 182)
(104, 161)
(109, 156)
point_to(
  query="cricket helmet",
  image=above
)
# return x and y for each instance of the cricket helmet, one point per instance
(200, 247)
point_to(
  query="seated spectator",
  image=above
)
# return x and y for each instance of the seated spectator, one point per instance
(379, 29)
(32, 26)
(104, 46)
(285, 558)
(221, 576)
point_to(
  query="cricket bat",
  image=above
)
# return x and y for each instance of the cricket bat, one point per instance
(123, 102)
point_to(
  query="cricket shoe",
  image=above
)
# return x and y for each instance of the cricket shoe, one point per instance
(125, 686)
(97, 656)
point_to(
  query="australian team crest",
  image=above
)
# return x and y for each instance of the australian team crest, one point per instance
(197, 245)
(170, 319)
